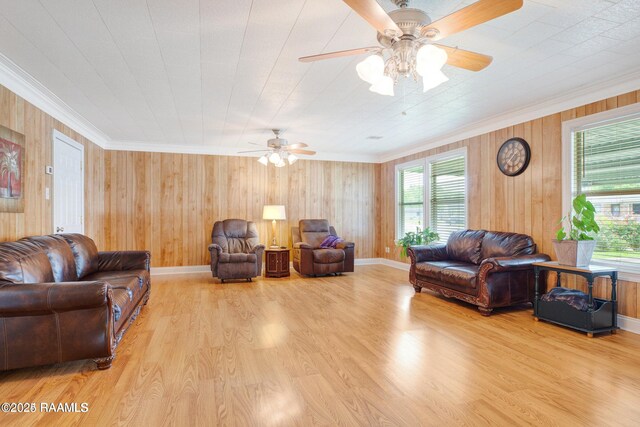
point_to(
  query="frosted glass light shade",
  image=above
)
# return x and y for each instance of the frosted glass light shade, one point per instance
(264, 160)
(430, 58)
(274, 212)
(292, 158)
(371, 69)
(280, 164)
(274, 158)
(383, 86)
(432, 79)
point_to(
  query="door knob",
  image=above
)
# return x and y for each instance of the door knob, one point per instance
(59, 229)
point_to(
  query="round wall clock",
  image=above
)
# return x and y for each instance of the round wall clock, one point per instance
(513, 156)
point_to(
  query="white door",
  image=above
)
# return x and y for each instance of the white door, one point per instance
(68, 185)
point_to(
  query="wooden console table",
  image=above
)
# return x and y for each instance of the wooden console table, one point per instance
(602, 314)
(276, 262)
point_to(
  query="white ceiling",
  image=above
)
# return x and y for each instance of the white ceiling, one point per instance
(213, 75)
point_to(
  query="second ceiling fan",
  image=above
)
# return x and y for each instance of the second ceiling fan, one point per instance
(407, 37)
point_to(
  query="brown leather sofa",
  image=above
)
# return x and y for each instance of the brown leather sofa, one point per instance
(236, 252)
(62, 300)
(312, 260)
(486, 268)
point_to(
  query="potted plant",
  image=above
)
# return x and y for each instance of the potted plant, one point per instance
(418, 237)
(576, 247)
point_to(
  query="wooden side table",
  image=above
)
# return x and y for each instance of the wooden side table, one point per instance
(602, 314)
(276, 262)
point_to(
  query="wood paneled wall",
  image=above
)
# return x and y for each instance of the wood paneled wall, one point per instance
(167, 203)
(37, 127)
(530, 203)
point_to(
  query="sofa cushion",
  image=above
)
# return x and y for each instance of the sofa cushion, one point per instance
(141, 277)
(432, 269)
(314, 231)
(239, 257)
(235, 235)
(461, 275)
(328, 256)
(85, 253)
(465, 245)
(61, 257)
(500, 244)
(24, 262)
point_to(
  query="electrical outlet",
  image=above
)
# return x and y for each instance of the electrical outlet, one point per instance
(386, 249)
(46, 193)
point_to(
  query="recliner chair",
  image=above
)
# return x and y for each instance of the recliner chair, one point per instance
(236, 252)
(312, 260)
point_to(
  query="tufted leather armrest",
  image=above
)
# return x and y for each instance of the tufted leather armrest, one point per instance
(45, 298)
(427, 253)
(523, 262)
(302, 245)
(344, 245)
(124, 260)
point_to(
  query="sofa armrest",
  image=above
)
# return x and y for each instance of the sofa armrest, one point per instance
(257, 248)
(124, 260)
(302, 245)
(46, 298)
(523, 262)
(215, 248)
(344, 245)
(421, 253)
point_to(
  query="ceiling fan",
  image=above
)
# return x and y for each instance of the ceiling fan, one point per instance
(407, 37)
(279, 151)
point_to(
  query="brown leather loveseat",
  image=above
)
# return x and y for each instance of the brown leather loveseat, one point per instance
(486, 268)
(62, 300)
(312, 260)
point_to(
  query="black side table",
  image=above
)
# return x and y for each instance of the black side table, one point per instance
(602, 314)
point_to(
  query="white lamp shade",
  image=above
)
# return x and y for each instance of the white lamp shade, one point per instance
(432, 79)
(264, 160)
(430, 58)
(383, 86)
(273, 212)
(280, 164)
(292, 158)
(371, 69)
(274, 158)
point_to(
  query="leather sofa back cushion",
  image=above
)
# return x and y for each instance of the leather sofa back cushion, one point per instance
(465, 245)
(501, 244)
(314, 231)
(24, 262)
(235, 235)
(63, 264)
(84, 252)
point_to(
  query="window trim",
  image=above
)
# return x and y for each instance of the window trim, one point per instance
(627, 271)
(426, 183)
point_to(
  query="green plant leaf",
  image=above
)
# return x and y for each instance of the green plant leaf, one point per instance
(561, 234)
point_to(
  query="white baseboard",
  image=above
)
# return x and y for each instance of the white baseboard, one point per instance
(630, 324)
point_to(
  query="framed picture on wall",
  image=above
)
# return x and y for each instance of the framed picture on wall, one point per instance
(11, 170)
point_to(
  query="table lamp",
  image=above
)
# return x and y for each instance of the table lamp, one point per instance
(273, 212)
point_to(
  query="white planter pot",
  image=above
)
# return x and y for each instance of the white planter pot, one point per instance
(575, 253)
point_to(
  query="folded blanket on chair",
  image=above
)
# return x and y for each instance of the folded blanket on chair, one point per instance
(331, 242)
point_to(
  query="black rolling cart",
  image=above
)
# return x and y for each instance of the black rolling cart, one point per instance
(601, 315)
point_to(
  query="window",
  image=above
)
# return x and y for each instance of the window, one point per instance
(432, 191)
(447, 196)
(410, 198)
(605, 158)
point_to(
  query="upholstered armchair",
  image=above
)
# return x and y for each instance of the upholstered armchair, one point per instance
(312, 260)
(236, 252)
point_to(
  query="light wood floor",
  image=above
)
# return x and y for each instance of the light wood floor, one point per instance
(361, 349)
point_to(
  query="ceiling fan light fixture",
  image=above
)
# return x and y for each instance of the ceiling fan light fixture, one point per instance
(371, 69)
(383, 86)
(275, 158)
(292, 158)
(264, 159)
(430, 58)
(432, 79)
(280, 164)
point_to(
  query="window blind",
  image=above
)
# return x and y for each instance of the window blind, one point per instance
(410, 199)
(607, 169)
(447, 196)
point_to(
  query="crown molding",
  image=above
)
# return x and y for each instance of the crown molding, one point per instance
(31, 90)
(228, 151)
(583, 96)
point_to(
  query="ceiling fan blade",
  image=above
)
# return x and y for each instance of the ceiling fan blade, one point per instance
(470, 16)
(338, 54)
(296, 145)
(298, 151)
(252, 151)
(466, 59)
(255, 143)
(375, 15)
